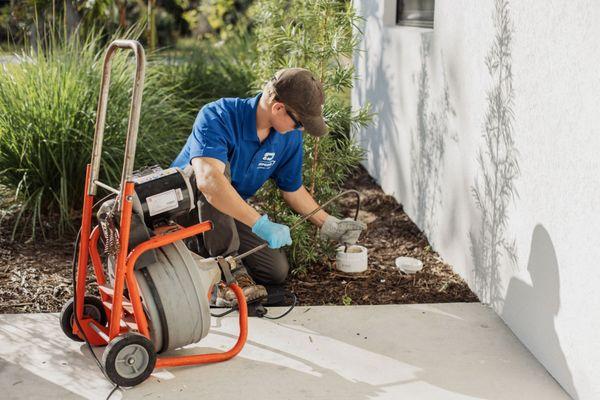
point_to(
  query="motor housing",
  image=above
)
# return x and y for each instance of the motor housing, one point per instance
(161, 194)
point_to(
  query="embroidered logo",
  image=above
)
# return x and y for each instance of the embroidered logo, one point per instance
(267, 161)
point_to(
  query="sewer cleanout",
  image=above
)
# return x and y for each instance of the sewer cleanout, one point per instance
(352, 259)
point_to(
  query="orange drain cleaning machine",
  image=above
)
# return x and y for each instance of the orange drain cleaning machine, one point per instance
(154, 292)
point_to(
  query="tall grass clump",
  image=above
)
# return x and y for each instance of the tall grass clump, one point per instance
(208, 70)
(47, 113)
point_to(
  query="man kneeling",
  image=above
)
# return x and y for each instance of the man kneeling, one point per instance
(236, 145)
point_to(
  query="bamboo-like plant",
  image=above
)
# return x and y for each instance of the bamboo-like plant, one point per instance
(320, 35)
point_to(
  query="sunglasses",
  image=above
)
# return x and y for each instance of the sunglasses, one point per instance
(297, 123)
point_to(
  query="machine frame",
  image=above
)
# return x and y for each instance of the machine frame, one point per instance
(127, 315)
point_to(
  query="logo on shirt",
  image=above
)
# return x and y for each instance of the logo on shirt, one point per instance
(267, 161)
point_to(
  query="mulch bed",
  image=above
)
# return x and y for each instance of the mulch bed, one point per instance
(36, 276)
(390, 234)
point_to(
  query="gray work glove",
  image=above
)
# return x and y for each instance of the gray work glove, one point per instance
(343, 231)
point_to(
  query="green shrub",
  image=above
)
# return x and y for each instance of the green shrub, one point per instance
(47, 113)
(318, 35)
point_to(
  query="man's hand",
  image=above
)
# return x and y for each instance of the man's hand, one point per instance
(343, 231)
(276, 235)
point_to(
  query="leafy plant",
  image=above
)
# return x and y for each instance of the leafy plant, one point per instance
(163, 20)
(319, 35)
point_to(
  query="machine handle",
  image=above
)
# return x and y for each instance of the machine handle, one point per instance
(134, 113)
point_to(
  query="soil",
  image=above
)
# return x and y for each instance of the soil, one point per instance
(390, 234)
(35, 276)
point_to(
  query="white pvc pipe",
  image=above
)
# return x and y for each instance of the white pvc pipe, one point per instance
(353, 260)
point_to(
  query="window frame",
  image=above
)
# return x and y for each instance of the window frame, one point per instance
(423, 20)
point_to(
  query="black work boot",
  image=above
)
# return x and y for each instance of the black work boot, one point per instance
(252, 291)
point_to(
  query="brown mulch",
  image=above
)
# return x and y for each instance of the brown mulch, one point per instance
(390, 234)
(36, 276)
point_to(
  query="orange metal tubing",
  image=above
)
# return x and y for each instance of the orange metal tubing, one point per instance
(159, 241)
(125, 225)
(92, 336)
(177, 361)
(82, 259)
(166, 238)
(96, 260)
(134, 297)
(124, 273)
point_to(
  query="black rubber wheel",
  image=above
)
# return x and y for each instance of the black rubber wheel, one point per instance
(92, 307)
(129, 359)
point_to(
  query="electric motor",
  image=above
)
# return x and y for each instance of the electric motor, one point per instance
(162, 194)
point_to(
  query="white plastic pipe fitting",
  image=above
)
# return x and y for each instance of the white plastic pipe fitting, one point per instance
(353, 260)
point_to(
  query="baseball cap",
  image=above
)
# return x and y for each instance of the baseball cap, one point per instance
(303, 94)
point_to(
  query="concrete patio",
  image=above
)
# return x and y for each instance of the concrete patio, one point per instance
(434, 351)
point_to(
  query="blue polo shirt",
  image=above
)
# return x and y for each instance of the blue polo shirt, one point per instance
(226, 130)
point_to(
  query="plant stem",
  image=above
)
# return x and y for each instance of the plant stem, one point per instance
(315, 160)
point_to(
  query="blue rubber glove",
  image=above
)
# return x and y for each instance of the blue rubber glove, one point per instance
(276, 235)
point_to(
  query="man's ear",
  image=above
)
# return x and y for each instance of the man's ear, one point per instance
(277, 107)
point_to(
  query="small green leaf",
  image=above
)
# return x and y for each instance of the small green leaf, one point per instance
(347, 300)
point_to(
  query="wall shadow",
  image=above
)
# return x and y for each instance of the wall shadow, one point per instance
(428, 143)
(430, 137)
(383, 134)
(530, 310)
(494, 189)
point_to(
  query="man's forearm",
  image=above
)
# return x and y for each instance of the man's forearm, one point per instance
(218, 191)
(303, 203)
(222, 196)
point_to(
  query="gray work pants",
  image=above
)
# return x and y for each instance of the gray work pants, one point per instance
(231, 237)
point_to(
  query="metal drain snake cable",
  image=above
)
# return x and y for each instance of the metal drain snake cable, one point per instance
(304, 218)
(75, 317)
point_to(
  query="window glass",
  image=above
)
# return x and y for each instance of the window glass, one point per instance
(415, 13)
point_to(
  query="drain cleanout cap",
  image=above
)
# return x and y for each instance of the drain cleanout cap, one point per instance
(408, 265)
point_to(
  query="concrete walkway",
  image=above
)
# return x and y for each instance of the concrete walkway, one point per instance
(437, 351)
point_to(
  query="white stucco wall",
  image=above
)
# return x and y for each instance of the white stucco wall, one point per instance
(531, 247)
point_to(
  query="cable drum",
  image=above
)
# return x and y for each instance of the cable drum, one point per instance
(174, 291)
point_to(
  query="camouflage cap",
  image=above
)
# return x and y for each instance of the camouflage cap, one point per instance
(303, 94)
